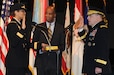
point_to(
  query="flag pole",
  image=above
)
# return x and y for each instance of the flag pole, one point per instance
(53, 3)
(19, 1)
(104, 2)
(71, 30)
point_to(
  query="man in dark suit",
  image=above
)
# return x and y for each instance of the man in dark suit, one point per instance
(17, 57)
(46, 59)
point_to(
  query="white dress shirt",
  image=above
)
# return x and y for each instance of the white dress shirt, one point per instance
(52, 26)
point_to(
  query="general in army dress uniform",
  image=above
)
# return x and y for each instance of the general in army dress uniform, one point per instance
(96, 51)
(17, 57)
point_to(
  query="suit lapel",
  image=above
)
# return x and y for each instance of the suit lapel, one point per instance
(55, 31)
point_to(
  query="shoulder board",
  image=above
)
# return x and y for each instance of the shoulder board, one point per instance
(16, 24)
(103, 26)
(19, 27)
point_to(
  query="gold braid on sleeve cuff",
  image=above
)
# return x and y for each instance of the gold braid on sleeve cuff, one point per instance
(82, 37)
(53, 48)
(101, 61)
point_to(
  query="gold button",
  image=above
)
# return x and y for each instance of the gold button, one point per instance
(93, 44)
(89, 43)
(24, 38)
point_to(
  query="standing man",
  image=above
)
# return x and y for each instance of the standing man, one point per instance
(17, 57)
(96, 52)
(46, 59)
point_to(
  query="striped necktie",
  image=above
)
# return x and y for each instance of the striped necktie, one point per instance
(49, 32)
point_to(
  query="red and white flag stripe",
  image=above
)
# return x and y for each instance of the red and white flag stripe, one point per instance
(3, 47)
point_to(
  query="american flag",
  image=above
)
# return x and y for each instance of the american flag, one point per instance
(4, 20)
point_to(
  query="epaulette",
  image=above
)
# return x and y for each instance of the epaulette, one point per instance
(103, 26)
(16, 24)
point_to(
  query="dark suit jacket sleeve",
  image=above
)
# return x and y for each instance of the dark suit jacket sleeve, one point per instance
(15, 34)
(62, 39)
(102, 47)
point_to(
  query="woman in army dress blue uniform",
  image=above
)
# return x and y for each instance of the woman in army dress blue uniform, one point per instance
(17, 56)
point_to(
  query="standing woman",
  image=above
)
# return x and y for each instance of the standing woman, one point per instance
(17, 58)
